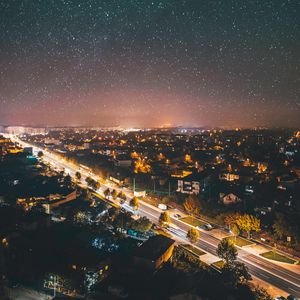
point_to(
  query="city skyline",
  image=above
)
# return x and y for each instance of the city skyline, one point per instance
(150, 64)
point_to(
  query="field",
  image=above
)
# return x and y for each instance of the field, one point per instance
(195, 250)
(218, 264)
(278, 257)
(192, 221)
(238, 241)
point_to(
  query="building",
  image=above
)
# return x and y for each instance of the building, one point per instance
(86, 145)
(193, 184)
(229, 198)
(49, 202)
(51, 141)
(154, 252)
(123, 161)
(229, 176)
(57, 200)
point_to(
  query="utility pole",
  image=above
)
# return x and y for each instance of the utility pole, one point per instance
(169, 189)
(133, 185)
(154, 186)
(54, 286)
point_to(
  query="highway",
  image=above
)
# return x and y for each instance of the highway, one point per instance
(259, 267)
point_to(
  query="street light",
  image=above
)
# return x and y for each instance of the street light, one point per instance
(53, 277)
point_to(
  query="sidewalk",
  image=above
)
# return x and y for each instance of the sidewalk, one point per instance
(257, 249)
(220, 234)
(209, 258)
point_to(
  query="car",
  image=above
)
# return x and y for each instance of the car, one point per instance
(208, 227)
(177, 216)
(162, 206)
(279, 298)
(291, 297)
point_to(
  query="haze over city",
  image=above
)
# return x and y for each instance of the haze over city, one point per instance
(149, 63)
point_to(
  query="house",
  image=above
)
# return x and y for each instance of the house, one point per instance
(48, 202)
(194, 183)
(58, 199)
(229, 198)
(154, 252)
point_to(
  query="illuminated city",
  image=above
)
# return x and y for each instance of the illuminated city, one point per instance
(149, 150)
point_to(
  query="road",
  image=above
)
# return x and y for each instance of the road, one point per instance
(259, 267)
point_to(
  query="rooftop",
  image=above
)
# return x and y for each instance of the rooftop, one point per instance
(154, 247)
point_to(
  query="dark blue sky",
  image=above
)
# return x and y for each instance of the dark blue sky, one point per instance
(149, 63)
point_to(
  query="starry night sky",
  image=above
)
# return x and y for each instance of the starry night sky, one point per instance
(150, 63)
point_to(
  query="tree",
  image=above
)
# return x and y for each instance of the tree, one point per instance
(114, 194)
(92, 183)
(40, 154)
(261, 294)
(122, 196)
(236, 273)
(186, 262)
(123, 220)
(111, 215)
(227, 251)
(280, 226)
(235, 230)
(134, 203)
(107, 193)
(231, 219)
(193, 235)
(78, 175)
(248, 223)
(97, 185)
(68, 180)
(88, 180)
(192, 205)
(143, 224)
(242, 272)
(164, 218)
